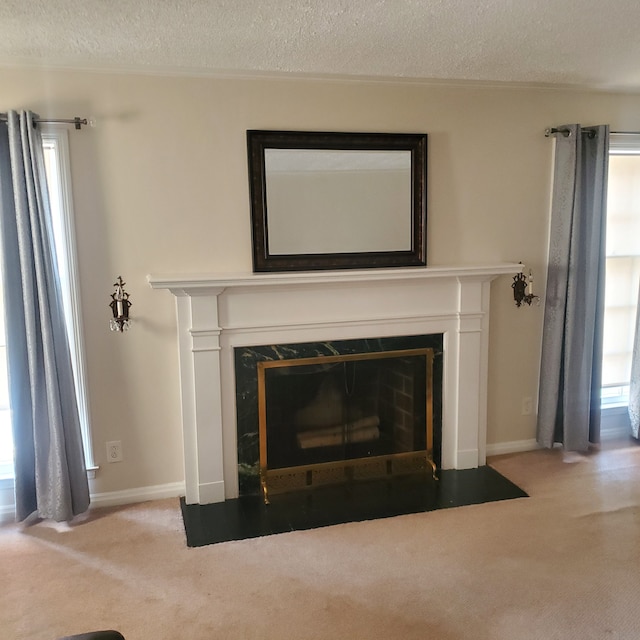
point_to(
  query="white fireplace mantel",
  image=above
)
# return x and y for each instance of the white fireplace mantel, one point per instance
(219, 312)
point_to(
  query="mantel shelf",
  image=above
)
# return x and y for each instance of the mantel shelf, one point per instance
(206, 282)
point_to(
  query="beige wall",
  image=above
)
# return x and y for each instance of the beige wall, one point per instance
(160, 186)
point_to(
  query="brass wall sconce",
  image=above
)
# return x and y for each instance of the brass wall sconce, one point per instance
(120, 304)
(520, 285)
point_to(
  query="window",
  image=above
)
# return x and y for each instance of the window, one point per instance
(622, 266)
(56, 153)
(6, 442)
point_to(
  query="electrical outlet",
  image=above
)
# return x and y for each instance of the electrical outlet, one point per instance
(527, 406)
(114, 451)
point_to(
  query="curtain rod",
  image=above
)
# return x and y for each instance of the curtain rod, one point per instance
(77, 122)
(567, 132)
(590, 132)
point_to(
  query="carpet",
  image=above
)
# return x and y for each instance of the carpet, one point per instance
(562, 564)
(249, 517)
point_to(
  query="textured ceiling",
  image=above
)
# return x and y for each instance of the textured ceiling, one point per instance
(569, 42)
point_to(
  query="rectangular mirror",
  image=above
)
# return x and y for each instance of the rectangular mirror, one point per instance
(337, 200)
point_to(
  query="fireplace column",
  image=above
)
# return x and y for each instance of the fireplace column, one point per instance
(199, 348)
(473, 349)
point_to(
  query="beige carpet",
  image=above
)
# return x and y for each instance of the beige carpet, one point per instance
(563, 563)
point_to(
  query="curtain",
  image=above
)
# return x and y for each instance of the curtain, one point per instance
(50, 472)
(634, 385)
(571, 365)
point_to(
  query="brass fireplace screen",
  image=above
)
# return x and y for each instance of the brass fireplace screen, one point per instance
(340, 418)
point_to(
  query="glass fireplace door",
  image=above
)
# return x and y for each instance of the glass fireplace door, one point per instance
(334, 419)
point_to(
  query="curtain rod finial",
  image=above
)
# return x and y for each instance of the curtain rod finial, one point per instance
(551, 130)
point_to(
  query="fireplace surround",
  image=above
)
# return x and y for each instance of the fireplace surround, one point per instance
(312, 414)
(220, 312)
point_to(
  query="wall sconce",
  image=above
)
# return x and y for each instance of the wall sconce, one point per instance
(120, 307)
(520, 284)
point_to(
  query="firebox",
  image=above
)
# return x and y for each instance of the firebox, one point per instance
(334, 419)
(311, 415)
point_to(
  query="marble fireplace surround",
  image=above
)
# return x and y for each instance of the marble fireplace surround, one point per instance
(219, 312)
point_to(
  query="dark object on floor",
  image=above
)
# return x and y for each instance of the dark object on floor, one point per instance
(96, 635)
(249, 517)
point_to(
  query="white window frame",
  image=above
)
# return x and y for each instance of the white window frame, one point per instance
(60, 139)
(614, 411)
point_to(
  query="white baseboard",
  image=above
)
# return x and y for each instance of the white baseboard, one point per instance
(615, 432)
(7, 511)
(140, 494)
(515, 446)
(610, 430)
(615, 423)
(106, 499)
(7, 514)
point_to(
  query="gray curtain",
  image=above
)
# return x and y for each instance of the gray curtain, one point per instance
(571, 366)
(634, 385)
(50, 473)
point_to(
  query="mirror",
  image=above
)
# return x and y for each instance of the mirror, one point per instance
(337, 200)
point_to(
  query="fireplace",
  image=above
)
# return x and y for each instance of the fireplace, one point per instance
(218, 314)
(313, 414)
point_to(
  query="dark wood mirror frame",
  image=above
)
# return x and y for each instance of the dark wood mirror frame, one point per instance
(258, 141)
